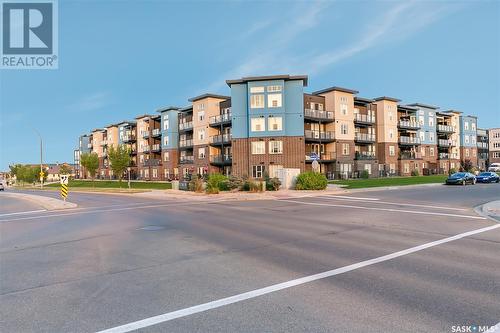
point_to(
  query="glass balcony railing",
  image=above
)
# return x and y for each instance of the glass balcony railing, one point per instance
(319, 135)
(156, 132)
(445, 128)
(409, 140)
(221, 159)
(186, 143)
(222, 118)
(364, 155)
(408, 124)
(319, 114)
(364, 118)
(364, 137)
(325, 156)
(186, 126)
(221, 138)
(186, 159)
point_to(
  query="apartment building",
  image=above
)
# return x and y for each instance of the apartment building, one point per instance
(482, 149)
(269, 123)
(494, 145)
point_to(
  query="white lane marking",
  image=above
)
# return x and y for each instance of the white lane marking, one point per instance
(386, 209)
(494, 329)
(280, 286)
(395, 203)
(354, 198)
(25, 212)
(105, 210)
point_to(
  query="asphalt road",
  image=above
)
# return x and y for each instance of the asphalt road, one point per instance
(117, 260)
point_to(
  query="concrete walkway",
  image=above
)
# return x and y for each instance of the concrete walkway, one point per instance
(43, 201)
(490, 209)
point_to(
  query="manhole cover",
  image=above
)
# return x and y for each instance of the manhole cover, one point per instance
(151, 228)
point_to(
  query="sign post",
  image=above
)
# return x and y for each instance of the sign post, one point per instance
(64, 186)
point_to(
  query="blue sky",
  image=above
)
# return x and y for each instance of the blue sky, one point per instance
(119, 59)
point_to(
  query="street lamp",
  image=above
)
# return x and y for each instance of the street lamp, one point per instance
(41, 158)
(128, 172)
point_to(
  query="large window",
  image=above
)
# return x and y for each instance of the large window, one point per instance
(273, 88)
(345, 149)
(257, 101)
(258, 147)
(343, 128)
(201, 134)
(274, 170)
(166, 156)
(258, 124)
(254, 90)
(258, 171)
(343, 109)
(165, 122)
(274, 100)
(201, 115)
(165, 140)
(201, 153)
(275, 123)
(275, 147)
(392, 151)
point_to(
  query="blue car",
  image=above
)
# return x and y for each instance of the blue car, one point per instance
(487, 177)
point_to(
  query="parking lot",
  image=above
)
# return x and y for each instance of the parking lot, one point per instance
(416, 259)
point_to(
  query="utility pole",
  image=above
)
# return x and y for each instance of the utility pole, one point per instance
(41, 158)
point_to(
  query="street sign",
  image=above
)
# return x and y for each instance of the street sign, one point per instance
(314, 156)
(64, 179)
(315, 166)
(42, 174)
(64, 186)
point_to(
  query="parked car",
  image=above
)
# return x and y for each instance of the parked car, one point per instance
(461, 178)
(494, 167)
(488, 177)
(2, 187)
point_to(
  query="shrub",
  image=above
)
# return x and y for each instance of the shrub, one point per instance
(415, 172)
(217, 182)
(365, 174)
(273, 184)
(311, 181)
(235, 183)
(255, 186)
(196, 184)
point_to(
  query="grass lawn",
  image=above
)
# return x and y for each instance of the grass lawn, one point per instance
(391, 181)
(101, 184)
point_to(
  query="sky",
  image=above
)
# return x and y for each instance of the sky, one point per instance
(121, 59)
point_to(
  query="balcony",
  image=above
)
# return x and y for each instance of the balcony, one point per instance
(90, 146)
(220, 120)
(221, 160)
(409, 155)
(186, 143)
(156, 148)
(408, 125)
(482, 145)
(224, 139)
(317, 136)
(445, 128)
(482, 156)
(146, 149)
(152, 162)
(319, 115)
(104, 142)
(104, 154)
(129, 138)
(186, 159)
(443, 156)
(133, 151)
(446, 143)
(156, 133)
(186, 126)
(364, 137)
(363, 119)
(364, 155)
(145, 134)
(409, 141)
(321, 158)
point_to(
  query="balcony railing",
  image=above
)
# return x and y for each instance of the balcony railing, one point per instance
(319, 115)
(104, 142)
(186, 143)
(482, 145)
(444, 156)
(409, 140)
(145, 134)
(146, 149)
(482, 156)
(323, 157)
(445, 128)
(186, 159)
(221, 159)
(364, 155)
(446, 143)
(152, 162)
(364, 137)
(156, 147)
(128, 138)
(409, 155)
(89, 145)
(407, 124)
(186, 126)
(364, 118)
(220, 119)
(156, 132)
(221, 138)
(319, 136)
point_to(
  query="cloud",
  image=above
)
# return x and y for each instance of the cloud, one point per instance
(91, 102)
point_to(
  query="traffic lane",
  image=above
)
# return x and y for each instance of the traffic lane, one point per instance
(454, 195)
(225, 244)
(9, 206)
(428, 291)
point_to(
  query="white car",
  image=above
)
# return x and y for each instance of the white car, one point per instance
(494, 167)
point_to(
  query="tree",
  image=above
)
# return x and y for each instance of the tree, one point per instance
(90, 161)
(467, 165)
(119, 160)
(65, 169)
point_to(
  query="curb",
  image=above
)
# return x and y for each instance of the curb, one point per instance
(46, 202)
(490, 210)
(392, 188)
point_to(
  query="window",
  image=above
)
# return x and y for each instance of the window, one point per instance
(201, 134)
(275, 147)
(343, 128)
(390, 113)
(392, 151)
(392, 168)
(201, 153)
(273, 88)
(422, 151)
(166, 173)
(431, 121)
(155, 173)
(391, 133)
(165, 122)
(165, 140)
(466, 139)
(258, 171)
(343, 109)
(256, 101)
(368, 168)
(343, 99)
(258, 147)
(466, 125)
(431, 151)
(431, 137)
(422, 136)
(473, 126)
(421, 121)
(166, 156)
(274, 100)
(406, 168)
(473, 140)
(467, 153)
(274, 170)
(275, 123)
(202, 171)
(201, 115)
(258, 124)
(345, 149)
(254, 90)
(201, 106)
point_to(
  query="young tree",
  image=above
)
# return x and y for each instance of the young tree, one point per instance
(467, 165)
(90, 161)
(65, 169)
(119, 160)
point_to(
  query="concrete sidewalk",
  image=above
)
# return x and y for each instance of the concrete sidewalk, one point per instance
(43, 201)
(490, 209)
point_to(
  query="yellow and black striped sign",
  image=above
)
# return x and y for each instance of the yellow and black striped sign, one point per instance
(64, 191)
